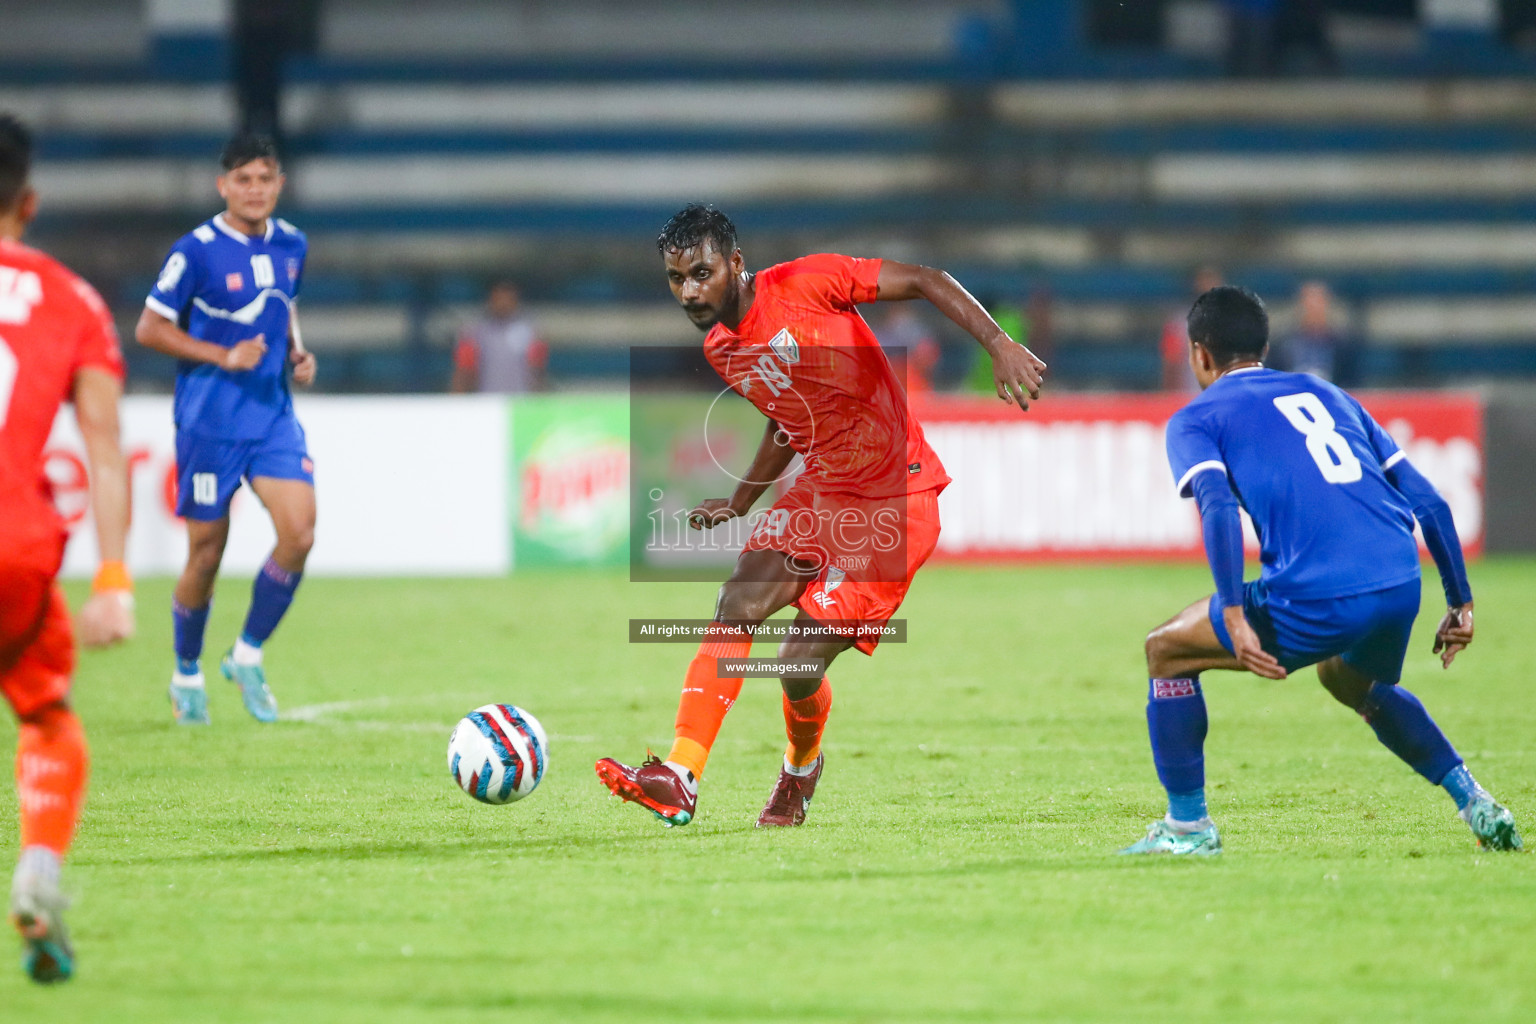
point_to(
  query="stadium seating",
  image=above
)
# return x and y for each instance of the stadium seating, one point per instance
(420, 177)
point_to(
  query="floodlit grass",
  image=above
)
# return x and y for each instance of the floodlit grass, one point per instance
(957, 865)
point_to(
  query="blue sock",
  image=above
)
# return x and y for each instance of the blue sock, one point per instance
(271, 595)
(1461, 785)
(188, 625)
(1177, 724)
(1187, 806)
(1405, 728)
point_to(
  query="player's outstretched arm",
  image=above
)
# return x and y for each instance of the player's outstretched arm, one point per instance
(773, 457)
(156, 332)
(1455, 630)
(1016, 371)
(108, 616)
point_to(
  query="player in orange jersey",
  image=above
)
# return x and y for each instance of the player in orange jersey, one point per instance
(57, 343)
(845, 540)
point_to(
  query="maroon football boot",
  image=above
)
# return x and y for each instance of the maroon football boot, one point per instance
(653, 786)
(791, 798)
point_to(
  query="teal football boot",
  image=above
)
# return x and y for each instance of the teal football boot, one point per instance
(1161, 838)
(253, 688)
(1492, 823)
(37, 911)
(189, 704)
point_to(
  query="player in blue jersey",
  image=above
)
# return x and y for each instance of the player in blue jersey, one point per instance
(224, 307)
(1333, 499)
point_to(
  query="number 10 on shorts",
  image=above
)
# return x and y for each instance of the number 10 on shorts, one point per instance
(205, 488)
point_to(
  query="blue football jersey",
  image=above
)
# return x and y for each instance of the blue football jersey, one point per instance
(222, 286)
(1308, 464)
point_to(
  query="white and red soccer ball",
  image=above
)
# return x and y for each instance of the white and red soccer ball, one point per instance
(498, 753)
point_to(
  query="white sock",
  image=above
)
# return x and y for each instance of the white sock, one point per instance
(40, 861)
(802, 772)
(246, 654)
(689, 782)
(1188, 826)
(195, 681)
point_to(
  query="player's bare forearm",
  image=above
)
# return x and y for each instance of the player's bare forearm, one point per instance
(156, 332)
(96, 399)
(1246, 647)
(773, 457)
(107, 617)
(1016, 371)
(303, 360)
(902, 281)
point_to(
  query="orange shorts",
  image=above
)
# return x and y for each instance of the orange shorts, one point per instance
(864, 551)
(37, 644)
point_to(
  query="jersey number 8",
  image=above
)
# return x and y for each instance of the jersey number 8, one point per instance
(1326, 445)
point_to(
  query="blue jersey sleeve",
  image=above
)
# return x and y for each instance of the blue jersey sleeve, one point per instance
(1387, 451)
(301, 261)
(1191, 450)
(179, 280)
(1434, 516)
(1221, 528)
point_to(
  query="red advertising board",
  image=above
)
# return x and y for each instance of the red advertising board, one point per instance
(1086, 477)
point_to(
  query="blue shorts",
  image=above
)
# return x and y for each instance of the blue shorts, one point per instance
(209, 472)
(1370, 630)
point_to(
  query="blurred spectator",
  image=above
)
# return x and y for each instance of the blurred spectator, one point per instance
(267, 33)
(1262, 33)
(1030, 324)
(910, 346)
(1314, 346)
(1041, 325)
(500, 353)
(1177, 376)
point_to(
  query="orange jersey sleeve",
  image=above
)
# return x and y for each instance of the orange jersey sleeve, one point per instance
(806, 359)
(838, 282)
(97, 343)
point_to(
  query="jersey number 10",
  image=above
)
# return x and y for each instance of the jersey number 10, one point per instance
(1328, 448)
(261, 271)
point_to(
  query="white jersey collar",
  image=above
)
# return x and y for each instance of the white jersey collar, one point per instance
(240, 236)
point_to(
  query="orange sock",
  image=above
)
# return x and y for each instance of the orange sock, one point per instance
(51, 766)
(706, 697)
(804, 722)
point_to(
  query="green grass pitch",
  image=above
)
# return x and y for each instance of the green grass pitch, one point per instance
(957, 865)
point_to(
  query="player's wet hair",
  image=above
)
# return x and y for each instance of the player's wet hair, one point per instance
(1231, 323)
(694, 224)
(15, 159)
(245, 147)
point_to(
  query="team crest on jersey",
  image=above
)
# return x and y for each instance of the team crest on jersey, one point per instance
(293, 269)
(785, 346)
(835, 577)
(234, 282)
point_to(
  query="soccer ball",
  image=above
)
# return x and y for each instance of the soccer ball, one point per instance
(497, 754)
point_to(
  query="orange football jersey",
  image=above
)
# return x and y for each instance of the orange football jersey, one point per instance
(806, 359)
(51, 325)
